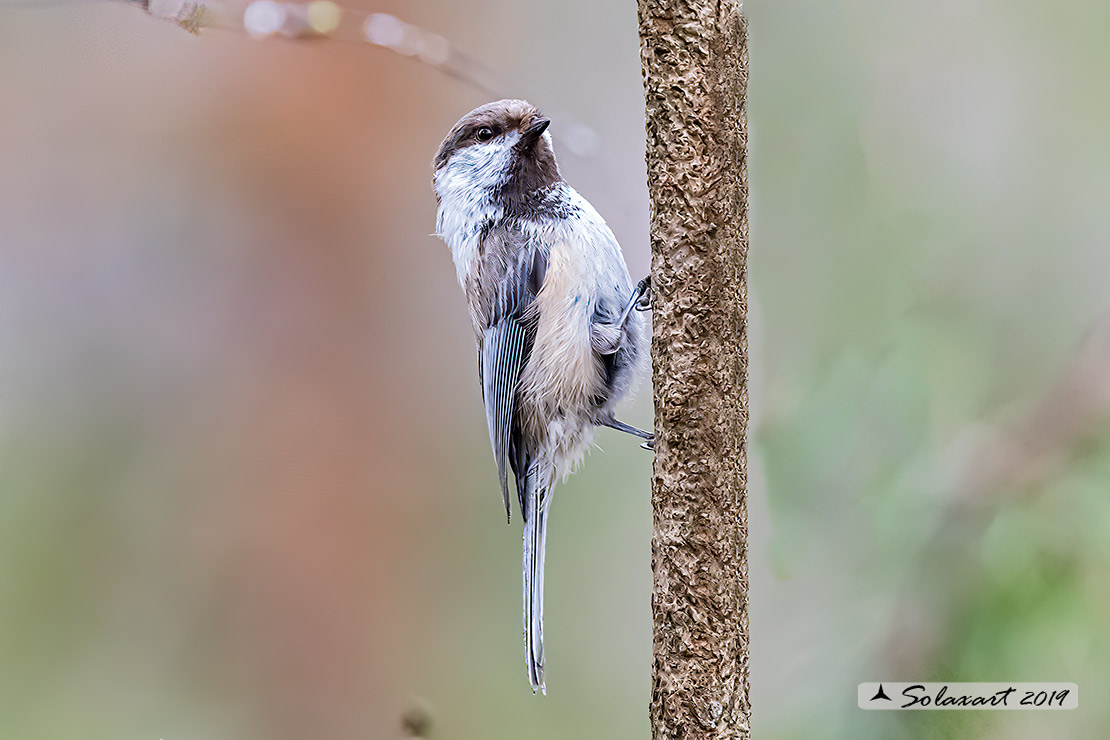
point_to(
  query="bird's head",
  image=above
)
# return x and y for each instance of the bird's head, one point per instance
(501, 151)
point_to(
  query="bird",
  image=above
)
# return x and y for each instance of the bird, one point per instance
(554, 311)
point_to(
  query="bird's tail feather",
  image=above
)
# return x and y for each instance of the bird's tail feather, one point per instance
(537, 501)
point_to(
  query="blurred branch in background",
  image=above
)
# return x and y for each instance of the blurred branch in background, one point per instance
(1011, 464)
(1028, 451)
(326, 20)
(321, 20)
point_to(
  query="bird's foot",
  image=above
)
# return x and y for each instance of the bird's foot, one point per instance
(643, 293)
(640, 300)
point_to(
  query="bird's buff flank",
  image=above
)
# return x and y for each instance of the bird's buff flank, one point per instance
(554, 312)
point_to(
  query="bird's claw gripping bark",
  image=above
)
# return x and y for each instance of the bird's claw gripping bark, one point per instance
(640, 300)
(643, 291)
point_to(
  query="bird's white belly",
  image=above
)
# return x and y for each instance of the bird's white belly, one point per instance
(564, 375)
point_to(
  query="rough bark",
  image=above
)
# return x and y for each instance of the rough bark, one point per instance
(695, 65)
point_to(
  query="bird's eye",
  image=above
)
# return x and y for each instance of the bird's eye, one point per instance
(484, 134)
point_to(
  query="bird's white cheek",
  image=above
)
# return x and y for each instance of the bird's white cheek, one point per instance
(465, 186)
(480, 167)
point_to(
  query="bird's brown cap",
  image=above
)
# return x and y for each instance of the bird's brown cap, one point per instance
(499, 116)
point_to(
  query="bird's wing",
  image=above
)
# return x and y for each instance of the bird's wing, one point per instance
(502, 359)
(514, 275)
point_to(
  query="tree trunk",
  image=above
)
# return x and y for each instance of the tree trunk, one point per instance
(695, 65)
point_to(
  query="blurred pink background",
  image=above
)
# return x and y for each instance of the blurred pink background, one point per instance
(243, 449)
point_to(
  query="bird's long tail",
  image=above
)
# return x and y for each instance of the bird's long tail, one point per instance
(537, 502)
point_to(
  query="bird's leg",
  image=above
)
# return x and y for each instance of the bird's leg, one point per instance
(640, 300)
(606, 337)
(620, 426)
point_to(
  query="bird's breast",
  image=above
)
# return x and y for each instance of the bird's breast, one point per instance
(563, 375)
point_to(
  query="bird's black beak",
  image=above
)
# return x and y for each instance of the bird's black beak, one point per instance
(535, 129)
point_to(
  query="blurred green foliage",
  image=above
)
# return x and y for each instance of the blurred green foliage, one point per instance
(929, 256)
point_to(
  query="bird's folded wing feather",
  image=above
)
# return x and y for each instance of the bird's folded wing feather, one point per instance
(514, 275)
(502, 359)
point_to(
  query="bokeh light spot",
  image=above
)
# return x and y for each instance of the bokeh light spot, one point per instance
(263, 18)
(384, 29)
(324, 16)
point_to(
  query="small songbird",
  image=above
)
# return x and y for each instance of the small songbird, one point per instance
(560, 338)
